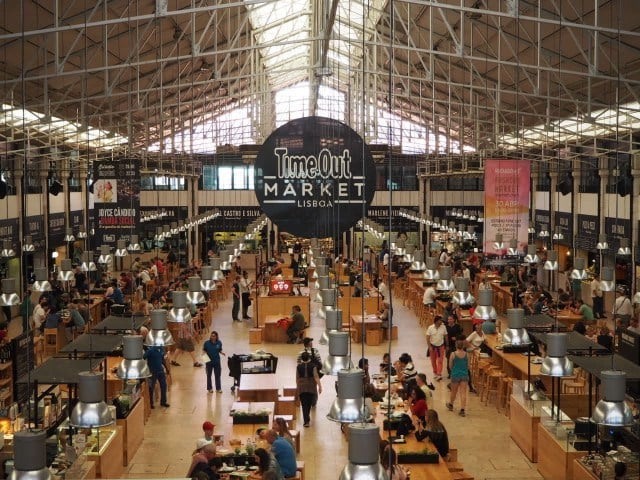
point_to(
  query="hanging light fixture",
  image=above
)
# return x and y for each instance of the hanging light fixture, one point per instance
(179, 313)
(28, 245)
(612, 410)
(207, 283)
(105, 255)
(431, 269)
(121, 248)
(531, 230)
(348, 407)
(556, 364)
(498, 244)
(217, 274)
(7, 249)
(159, 235)
(68, 236)
(338, 357)
(579, 272)
(551, 264)
(417, 265)
(607, 279)
(532, 254)
(557, 235)
(87, 264)
(624, 249)
(66, 270)
(333, 322)
(461, 296)
(9, 297)
(134, 244)
(544, 233)
(444, 283)
(91, 411)
(42, 280)
(512, 251)
(364, 453)
(225, 264)
(195, 295)
(159, 335)
(485, 310)
(470, 233)
(29, 456)
(516, 333)
(132, 366)
(82, 233)
(602, 242)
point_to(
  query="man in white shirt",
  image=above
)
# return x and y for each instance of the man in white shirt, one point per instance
(37, 317)
(596, 297)
(383, 290)
(444, 257)
(622, 308)
(436, 336)
(429, 296)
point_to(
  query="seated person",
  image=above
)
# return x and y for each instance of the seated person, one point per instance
(283, 452)
(583, 309)
(384, 314)
(297, 324)
(204, 452)
(434, 430)
(386, 367)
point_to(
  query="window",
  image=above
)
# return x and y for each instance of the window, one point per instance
(227, 177)
(161, 182)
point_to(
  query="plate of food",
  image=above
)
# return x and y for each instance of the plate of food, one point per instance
(253, 468)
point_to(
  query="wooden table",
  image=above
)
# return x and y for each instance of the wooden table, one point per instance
(258, 388)
(281, 305)
(569, 318)
(370, 322)
(502, 297)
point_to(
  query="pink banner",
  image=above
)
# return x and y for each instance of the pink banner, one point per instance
(506, 203)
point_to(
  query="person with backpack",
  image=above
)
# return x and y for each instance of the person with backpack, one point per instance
(308, 385)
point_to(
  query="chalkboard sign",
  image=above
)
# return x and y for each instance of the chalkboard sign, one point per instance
(23, 363)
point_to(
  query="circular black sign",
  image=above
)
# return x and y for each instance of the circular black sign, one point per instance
(314, 177)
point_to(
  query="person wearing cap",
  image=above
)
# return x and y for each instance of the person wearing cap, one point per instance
(307, 343)
(207, 429)
(204, 452)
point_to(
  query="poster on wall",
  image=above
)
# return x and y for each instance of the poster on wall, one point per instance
(116, 200)
(506, 203)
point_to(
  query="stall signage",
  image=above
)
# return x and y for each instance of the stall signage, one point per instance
(56, 229)
(313, 175)
(564, 225)
(587, 237)
(9, 230)
(76, 219)
(34, 226)
(616, 228)
(280, 287)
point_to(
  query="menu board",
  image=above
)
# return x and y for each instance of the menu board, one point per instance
(23, 362)
(280, 287)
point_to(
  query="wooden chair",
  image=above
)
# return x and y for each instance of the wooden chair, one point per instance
(52, 342)
(575, 384)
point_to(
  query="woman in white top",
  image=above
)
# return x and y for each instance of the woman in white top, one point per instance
(476, 338)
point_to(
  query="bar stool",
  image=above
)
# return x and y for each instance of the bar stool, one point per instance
(504, 391)
(51, 342)
(492, 385)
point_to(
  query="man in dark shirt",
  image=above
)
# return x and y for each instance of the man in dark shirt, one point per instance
(155, 360)
(81, 281)
(297, 324)
(454, 330)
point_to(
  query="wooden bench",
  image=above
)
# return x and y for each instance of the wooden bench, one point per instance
(286, 406)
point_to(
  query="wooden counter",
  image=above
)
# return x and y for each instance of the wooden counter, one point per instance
(555, 461)
(502, 297)
(353, 305)
(370, 322)
(109, 463)
(580, 472)
(524, 428)
(280, 305)
(86, 471)
(512, 364)
(258, 388)
(132, 430)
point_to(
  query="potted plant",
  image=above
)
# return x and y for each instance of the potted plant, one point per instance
(423, 456)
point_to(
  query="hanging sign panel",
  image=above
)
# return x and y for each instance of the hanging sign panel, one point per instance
(506, 202)
(313, 176)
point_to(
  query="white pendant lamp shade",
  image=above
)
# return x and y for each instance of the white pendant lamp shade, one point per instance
(333, 322)
(82, 233)
(28, 245)
(556, 363)
(159, 335)
(322, 269)
(134, 244)
(7, 249)
(531, 229)
(348, 405)
(68, 236)
(166, 231)
(551, 264)
(516, 333)
(470, 233)
(121, 248)
(431, 269)
(66, 270)
(579, 272)
(338, 357)
(329, 297)
(218, 276)
(91, 410)
(409, 253)
(207, 283)
(105, 255)
(418, 264)
(225, 264)
(498, 244)
(436, 222)
(612, 410)
(558, 236)
(624, 249)
(364, 454)
(179, 313)
(607, 279)
(29, 456)
(87, 264)
(532, 254)
(132, 366)
(42, 280)
(544, 233)
(9, 297)
(512, 251)
(174, 228)
(159, 236)
(485, 309)
(195, 295)
(444, 283)
(461, 296)
(602, 243)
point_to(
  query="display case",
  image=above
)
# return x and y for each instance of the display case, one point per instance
(526, 409)
(555, 446)
(132, 430)
(602, 467)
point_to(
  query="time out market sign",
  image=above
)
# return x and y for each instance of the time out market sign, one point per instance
(312, 176)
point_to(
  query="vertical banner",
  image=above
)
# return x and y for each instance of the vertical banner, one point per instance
(506, 203)
(116, 200)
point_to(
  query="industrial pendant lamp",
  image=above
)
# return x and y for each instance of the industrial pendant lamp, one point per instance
(557, 236)
(624, 249)
(579, 272)
(612, 410)
(470, 233)
(195, 295)
(556, 364)
(179, 313)
(134, 244)
(338, 357)
(207, 283)
(91, 410)
(409, 253)
(516, 333)
(532, 254)
(121, 248)
(418, 264)
(485, 310)
(551, 264)
(333, 322)
(28, 245)
(7, 249)
(29, 456)
(42, 280)
(66, 270)
(544, 233)
(444, 283)
(159, 235)
(217, 276)
(498, 244)
(512, 251)
(159, 335)
(348, 407)
(364, 453)
(105, 255)
(132, 366)
(68, 236)
(431, 269)
(87, 264)
(82, 233)
(225, 264)
(9, 297)
(607, 279)
(461, 296)
(602, 243)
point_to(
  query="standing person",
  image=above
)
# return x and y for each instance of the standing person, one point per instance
(454, 330)
(596, 297)
(235, 290)
(156, 362)
(316, 359)
(436, 335)
(245, 293)
(26, 310)
(297, 324)
(185, 343)
(459, 376)
(213, 348)
(622, 309)
(38, 315)
(308, 385)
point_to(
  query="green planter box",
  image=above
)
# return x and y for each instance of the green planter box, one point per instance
(250, 419)
(418, 458)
